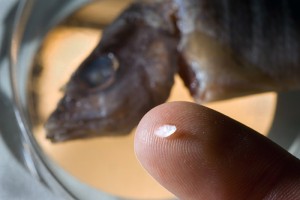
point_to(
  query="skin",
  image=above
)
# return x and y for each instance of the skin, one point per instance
(211, 156)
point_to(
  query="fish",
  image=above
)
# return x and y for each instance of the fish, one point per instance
(221, 49)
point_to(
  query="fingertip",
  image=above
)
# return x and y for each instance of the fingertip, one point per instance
(197, 153)
(159, 141)
(169, 143)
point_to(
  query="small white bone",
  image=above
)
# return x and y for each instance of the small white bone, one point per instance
(165, 131)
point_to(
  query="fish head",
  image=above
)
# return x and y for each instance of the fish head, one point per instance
(128, 73)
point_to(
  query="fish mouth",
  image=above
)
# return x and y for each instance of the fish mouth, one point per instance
(56, 133)
(62, 136)
(60, 130)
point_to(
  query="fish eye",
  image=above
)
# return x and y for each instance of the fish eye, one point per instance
(100, 71)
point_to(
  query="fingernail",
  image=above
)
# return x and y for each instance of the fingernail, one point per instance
(165, 131)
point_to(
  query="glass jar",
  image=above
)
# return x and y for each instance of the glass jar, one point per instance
(33, 21)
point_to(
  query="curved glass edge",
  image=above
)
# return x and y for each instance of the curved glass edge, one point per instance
(23, 10)
(285, 129)
(33, 157)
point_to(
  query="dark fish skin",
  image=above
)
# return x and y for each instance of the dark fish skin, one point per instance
(233, 48)
(221, 49)
(144, 78)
